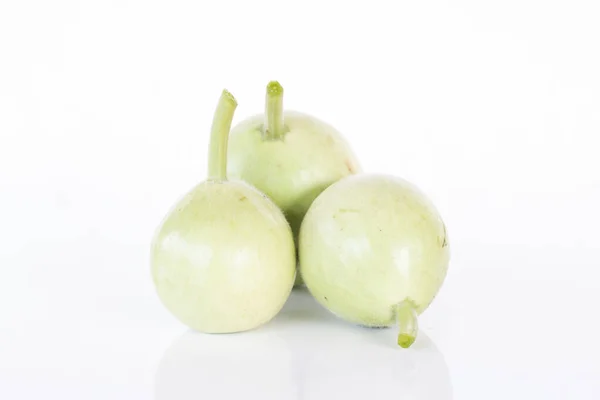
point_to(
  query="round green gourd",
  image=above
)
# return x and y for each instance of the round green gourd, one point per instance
(290, 156)
(374, 251)
(223, 259)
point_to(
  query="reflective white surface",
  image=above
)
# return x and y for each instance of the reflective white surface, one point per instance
(502, 331)
(491, 108)
(314, 359)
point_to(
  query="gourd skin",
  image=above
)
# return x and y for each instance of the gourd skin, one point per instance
(369, 243)
(294, 169)
(223, 260)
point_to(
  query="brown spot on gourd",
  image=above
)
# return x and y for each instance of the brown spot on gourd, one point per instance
(350, 166)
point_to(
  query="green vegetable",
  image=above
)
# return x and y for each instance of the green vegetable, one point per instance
(223, 259)
(290, 156)
(374, 251)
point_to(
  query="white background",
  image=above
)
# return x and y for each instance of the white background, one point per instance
(492, 108)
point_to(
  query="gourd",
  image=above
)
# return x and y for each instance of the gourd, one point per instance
(374, 250)
(290, 156)
(223, 259)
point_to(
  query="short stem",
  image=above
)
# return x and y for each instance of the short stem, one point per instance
(274, 128)
(406, 317)
(219, 136)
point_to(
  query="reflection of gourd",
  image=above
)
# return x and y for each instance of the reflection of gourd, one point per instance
(223, 260)
(289, 156)
(349, 362)
(374, 251)
(369, 370)
(223, 367)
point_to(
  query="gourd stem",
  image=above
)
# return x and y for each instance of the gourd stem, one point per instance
(274, 127)
(219, 136)
(406, 317)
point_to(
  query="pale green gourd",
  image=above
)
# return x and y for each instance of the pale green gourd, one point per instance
(374, 251)
(223, 259)
(290, 156)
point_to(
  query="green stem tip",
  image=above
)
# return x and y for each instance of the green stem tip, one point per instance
(274, 88)
(274, 127)
(406, 317)
(219, 136)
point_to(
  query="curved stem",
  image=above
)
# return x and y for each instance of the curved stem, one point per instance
(219, 136)
(274, 128)
(406, 317)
